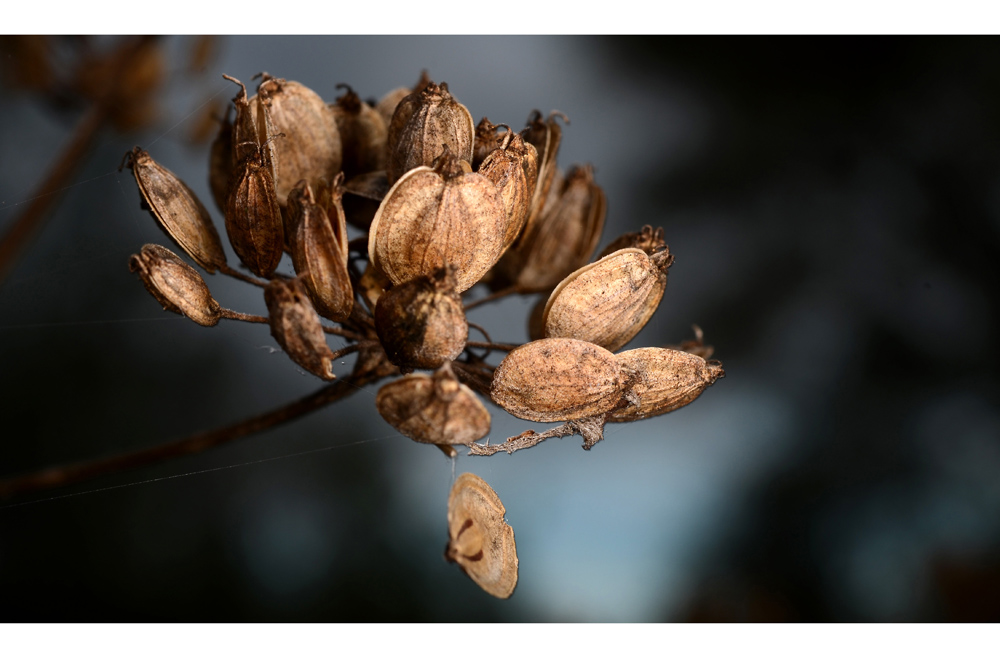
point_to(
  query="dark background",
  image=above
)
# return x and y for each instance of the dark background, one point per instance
(834, 208)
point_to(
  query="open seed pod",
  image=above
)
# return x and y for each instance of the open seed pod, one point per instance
(296, 327)
(438, 216)
(421, 323)
(663, 380)
(545, 136)
(175, 284)
(423, 123)
(253, 219)
(609, 301)
(479, 539)
(177, 210)
(434, 409)
(513, 168)
(647, 239)
(557, 379)
(387, 105)
(362, 133)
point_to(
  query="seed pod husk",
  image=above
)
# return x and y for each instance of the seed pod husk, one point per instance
(296, 327)
(434, 409)
(253, 219)
(647, 239)
(608, 302)
(362, 134)
(421, 323)
(220, 163)
(486, 142)
(422, 125)
(557, 379)
(513, 168)
(545, 136)
(438, 216)
(252, 128)
(386, 107)
(319, 251)
(479, 539)
(175, 284)
(177, 210)
(362, 196)
(663, 380)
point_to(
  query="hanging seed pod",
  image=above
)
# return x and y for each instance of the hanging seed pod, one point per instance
(545, 136)
(609, 301)
(220, 163)
(176, 285)
(296, 327)
(422, 125)
(434, 409)
(177, 210)
(362, 196)
(663, 380)
(479, 539)
(386, 107)
(513, 168)
(486, 142)
(362, 134)
(421, 323)
(557, 379)
(647, 239)
(253, 218)
(438, 216)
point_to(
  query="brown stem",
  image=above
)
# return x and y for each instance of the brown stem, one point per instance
(235, 273)
(502, 346)
(259, 319)
(507, 291)
(591, 428)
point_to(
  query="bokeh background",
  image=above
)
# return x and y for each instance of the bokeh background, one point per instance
(834, 207)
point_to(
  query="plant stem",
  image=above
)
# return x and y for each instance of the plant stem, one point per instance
(235, 273)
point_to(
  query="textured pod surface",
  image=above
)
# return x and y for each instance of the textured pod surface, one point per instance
(363, 134)
(513, 168)
(319, 253)
(609, 301)
(253, 218)
(479, 539)
(545, 136)
(557, 379)
(175, 284)
(387, 105)
(433, 409)
(663, 380)
(296, 327)
(438, 216)
(422, 124)
(177, 210)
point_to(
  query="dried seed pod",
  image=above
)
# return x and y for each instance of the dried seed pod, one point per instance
(253, 218)
(296, 327)
(513, 168)
(252, 128)
(319, 251)
(176, 285)
(421, 323)
(609, 301)
(663, 380)
(545, 136)
(647, 239)
(557, 379)
(486, 142)
(386, 107)
(437, 216)
(434, 409)
(220, 163)
(479, 539)
(177, 210)
(362, 134)
(422, 125)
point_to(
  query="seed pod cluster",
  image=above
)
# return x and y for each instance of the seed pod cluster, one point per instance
(479, 539)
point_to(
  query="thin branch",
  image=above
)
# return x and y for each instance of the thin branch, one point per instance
(507, 291)
(235, 273)
(591, 428)
(501, 346)
(260, 319)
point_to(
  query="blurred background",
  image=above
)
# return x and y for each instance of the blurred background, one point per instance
(834, 208)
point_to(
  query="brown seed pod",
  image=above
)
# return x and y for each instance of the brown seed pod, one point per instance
(663, 380)
(253, 218)
(422, 125)
(386, 107)
(296, 327)
(513, 168)
(177, 210)
(545, 136)
(557, 379)
(176, 285)
(486, 142)
(220, 163)
(433, 409)
(438, 216)
(362, 134)
(421, 323)
(479, 539)
(319, 251)
(609, 301)
(647, 239)
(252, 128)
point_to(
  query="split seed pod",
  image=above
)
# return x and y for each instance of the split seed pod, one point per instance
(479, 539)
(175, 284)
(663, 381)
(421, 323)
(253, 218)
(421, 124)
(177, 210)
(438, 216)
(558, 379)
(513, 168)
(434, 409)
(362, 133)
(387, 105)
(296, 327)
(545, 136)
(609, 301)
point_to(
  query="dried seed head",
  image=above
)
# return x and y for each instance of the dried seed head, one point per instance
(647, 239)
(386, 107)
(362, 196)
(253, 218)
(434, 409)
(421, 323)
(438, 216)
(362, 133)
(176, 285)
(557, 379)
(486, 142)
(609, 301)
(296, 327)
(177, 210)
(422, 124)
(545, 136)
(220, 163)
(513, 168)
(663, 380)
(479, 539)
